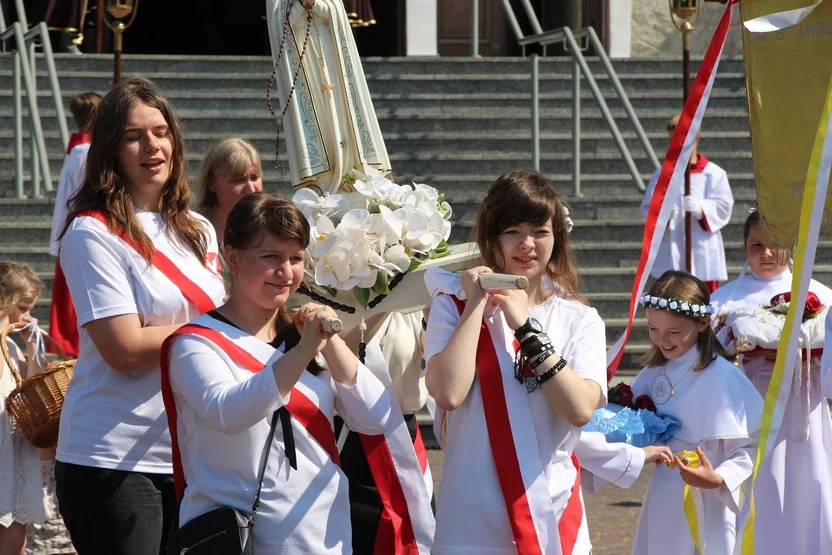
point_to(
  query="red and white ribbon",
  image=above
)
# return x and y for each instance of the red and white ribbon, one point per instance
(668, 188)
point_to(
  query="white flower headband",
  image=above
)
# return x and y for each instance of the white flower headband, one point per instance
(678, 306)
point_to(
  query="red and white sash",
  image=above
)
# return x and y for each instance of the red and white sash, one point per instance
(251, 354)
(400, 470)
(534, 520)
(193, 292)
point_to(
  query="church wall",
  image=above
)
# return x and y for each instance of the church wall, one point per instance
(654, 35)
(422, 26)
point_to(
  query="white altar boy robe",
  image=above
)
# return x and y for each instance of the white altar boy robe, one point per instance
(797, 474)
(709, 185)
(720, 411)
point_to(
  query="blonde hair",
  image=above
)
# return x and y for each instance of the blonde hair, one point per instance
(686, 287)
(17, 282)
(235, 154)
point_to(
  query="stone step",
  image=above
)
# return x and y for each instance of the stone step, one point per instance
(467, 162)
(554, 98)
(437, 65)
(35, 255)
(451, 141)
(379, 82)
(626, 232)
(433, 120)
(471, 187)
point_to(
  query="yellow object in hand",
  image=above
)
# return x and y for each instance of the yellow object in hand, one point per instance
(690, 456)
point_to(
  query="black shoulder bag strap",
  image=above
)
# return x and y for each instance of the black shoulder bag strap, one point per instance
(268, 450)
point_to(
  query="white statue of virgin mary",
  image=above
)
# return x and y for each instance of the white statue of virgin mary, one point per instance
(330, 126)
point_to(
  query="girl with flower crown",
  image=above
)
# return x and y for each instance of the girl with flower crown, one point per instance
(689, 378)
(797, 473)
(516, 373)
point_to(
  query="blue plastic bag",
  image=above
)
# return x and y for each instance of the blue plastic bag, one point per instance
(638, 428)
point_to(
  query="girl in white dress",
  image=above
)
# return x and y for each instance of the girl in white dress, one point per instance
(793, 491)
(21, 500)
(515, 374)
(688, 378)
(233, 368)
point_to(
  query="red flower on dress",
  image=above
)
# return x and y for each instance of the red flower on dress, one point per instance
(813, 304)
(644, 402)
(621, 394)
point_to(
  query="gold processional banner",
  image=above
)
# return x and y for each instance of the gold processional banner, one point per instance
(788, 69)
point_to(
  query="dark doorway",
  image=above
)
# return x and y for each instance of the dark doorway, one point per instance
(207, 27)
(387, 36)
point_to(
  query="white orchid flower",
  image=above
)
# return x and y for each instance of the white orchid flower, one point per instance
(434, 235)
(332, 268)
(344, 266)
(445, 209)
(395, 260)
(427, 192)
(357, 201)
(313, 205)
(309, 203)
(367, 173)
(407, 225)
(366, 188)
(322, 236)
(358, 219)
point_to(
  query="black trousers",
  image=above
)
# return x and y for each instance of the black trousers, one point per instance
(115, 512)
(365, 503)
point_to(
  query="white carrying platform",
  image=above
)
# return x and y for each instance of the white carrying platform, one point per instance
(410, 295)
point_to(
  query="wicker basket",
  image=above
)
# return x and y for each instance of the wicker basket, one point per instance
(35, 404)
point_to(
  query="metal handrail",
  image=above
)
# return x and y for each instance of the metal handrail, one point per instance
(42, 31)
(569, 39)
(40, 159)
(24, 65)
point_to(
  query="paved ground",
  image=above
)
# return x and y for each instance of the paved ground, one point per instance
(613, 512)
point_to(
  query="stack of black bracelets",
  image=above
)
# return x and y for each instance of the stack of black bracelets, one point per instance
(534, 350)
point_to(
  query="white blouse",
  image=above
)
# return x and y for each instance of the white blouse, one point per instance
(223, 413)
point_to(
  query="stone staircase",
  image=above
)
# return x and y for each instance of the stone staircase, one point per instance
(455, 123)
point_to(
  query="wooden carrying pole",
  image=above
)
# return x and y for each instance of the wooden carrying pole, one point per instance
(686, 29)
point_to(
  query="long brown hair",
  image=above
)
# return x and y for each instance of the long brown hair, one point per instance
(249, 221)
(525, 196)
(105, 190)
(686, 287)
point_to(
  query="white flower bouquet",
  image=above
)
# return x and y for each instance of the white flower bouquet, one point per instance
(366, 240)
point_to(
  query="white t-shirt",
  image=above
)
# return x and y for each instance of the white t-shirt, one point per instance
(72, 177)
(471, 515)
(111, 419)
